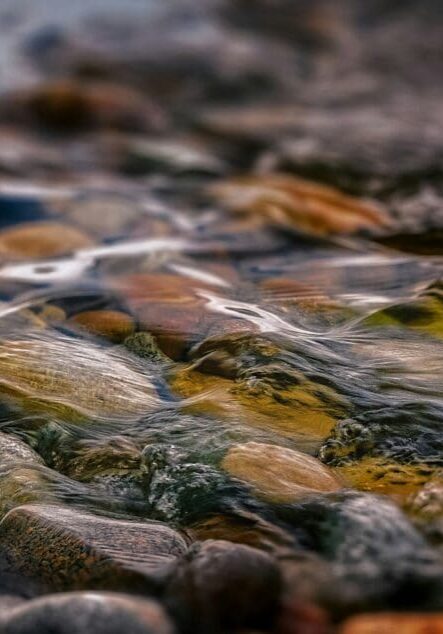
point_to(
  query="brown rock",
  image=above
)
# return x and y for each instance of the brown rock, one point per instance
(73, 378)
(279, 474)
(36, 240)
(219, 586)
(394, 623)
(62, 549)
(169, 307)
(300, 204)
(110, 324)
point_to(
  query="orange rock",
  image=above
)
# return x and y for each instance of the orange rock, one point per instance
(170, 308)
(394, 623)
(36, 240)
(279, 474)
(111, 324)
(303, 205)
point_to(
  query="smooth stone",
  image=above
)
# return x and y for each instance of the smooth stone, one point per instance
(73, 378)
(306, 206)
(219, 586)
(170, 308)
(22, 475)
(110, 324)
(86, 613)
(278, 474)
(102, 215)
(393, 623)
(244, 528)
(15, 451)
(36, 240)
(62, 549)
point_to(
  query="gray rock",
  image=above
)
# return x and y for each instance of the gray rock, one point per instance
(86, 613)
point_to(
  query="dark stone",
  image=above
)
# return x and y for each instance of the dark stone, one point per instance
(218, 586)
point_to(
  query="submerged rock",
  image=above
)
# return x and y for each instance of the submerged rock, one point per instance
(61, 549)
(85, 612)
(278, 474)
(378, 558)
(38, 240)
(110, 324)
(424, 313)
(271, 397)
(73, 378)
(144, 345)
(23, 477)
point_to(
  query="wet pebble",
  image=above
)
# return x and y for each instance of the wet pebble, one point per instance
(39, 240)
(278, 474)
(95, 382)
(110, 324)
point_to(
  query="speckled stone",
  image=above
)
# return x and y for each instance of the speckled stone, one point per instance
(86, 613)
(62, 549)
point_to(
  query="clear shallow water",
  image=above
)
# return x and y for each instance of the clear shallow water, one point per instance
(181, 343)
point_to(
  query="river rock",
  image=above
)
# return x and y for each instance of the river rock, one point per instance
(278, 474)
(220, 586)
(376, 553)
(23, 476)
(100, 214)
(62, 549)
(84, 613)
(37, 240)
(75, 378)
(303, 205)
(110, 324)
(270, 397)
(171, 308)
(390, 622)
(72, 106)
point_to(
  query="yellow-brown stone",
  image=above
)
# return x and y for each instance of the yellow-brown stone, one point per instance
(36, 240)
(110, 324)
(378, 475)
(306, 412)
(304, 205)
(279, 474)
(394, 623)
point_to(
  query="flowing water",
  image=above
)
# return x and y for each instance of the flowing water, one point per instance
(203, 325)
